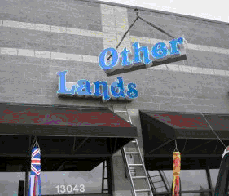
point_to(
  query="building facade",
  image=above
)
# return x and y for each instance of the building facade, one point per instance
(38, 39)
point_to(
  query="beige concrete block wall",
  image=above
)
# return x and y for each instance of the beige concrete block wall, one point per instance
(36, 43)
(197, 84)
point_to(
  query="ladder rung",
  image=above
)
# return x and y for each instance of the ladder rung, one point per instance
(136, 177)
(132, 165)
(155, 175)
(142, 190)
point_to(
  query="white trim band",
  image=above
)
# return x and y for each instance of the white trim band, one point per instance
(89, 33)
(94, 59)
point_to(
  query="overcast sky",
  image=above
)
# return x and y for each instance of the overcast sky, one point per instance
(213, 10)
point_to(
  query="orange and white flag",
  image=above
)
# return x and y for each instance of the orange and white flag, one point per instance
(176, 172)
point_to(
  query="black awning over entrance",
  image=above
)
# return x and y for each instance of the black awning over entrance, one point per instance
(198, 144)
(64, 133)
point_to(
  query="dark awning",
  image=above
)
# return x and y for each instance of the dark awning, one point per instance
(63, 121)
(63, 132)
(195, 139)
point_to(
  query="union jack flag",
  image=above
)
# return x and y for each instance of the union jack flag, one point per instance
(35, 177)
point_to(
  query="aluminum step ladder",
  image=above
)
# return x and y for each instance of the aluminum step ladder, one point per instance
(136, 170)
(104, 190)
(134, 164)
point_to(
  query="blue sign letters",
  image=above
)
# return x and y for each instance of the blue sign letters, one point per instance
(158, 51)
(83, 87)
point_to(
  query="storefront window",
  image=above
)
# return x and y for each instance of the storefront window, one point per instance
(57, 182)
(169, 176)
(75, 182)
(214, 175)
(195, 194)
(158, 184)
(191, 180)
(9, 182)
